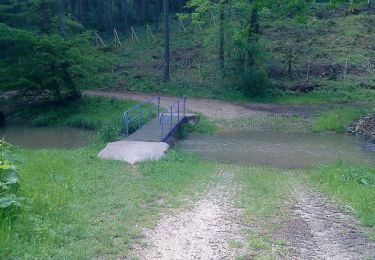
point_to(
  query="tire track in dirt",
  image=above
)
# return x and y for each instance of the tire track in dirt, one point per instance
(202, 232)
(317, 229)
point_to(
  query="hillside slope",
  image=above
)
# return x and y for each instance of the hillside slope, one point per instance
(330, 56)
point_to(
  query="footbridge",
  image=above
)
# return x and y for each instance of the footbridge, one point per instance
(148, 122)
(147, 128)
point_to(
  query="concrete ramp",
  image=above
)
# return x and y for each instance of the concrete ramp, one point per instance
(134, 151)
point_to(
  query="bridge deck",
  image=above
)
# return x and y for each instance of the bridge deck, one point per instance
(151, 132)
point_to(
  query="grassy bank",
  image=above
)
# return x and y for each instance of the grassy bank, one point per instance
(353, 185)
(102, 114)
(79, 207)
(337, 120)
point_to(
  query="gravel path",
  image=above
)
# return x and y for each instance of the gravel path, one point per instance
(215, 109)
(203, 232)
(317, 229)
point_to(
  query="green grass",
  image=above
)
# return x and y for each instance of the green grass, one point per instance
(263, 190)
(337, 120)
(351, 184)
(79, 207)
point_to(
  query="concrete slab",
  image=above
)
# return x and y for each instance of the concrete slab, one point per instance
(134, 151)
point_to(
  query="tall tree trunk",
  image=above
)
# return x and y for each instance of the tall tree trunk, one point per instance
(157, 15)
(2, 119)
(254, 20)
(125, 16)
(110, 15)
(81, 11)
(166, 41)
(221, 38)
(61, 14)
(100, 15)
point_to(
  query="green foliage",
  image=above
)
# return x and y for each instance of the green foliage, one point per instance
(202, 126)
(254, 83)
(8, 182)
(352, 184)
(336, 120)
(37, 64)
(80, 207)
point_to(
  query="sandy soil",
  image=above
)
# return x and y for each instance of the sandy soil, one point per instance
(316, 229)
(202, 232)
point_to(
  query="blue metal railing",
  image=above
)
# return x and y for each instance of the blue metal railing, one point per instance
(166, 117)
(130, 118)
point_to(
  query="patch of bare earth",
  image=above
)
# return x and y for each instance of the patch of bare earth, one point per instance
(316, 229)
(202, 232)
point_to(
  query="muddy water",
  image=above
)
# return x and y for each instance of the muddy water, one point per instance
(46, 137)
(280, 149)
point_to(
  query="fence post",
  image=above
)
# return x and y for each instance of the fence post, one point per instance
(162, 125)
(139, 119)
(171, 117)
(158, 105)
(127, 124)
(149, 110)
(178, 110)
(184, 106)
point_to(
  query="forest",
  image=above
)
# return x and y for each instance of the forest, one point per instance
(271, 156)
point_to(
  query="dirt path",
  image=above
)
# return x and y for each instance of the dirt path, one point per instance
(203, 232)
(216, 109)
(316, 229)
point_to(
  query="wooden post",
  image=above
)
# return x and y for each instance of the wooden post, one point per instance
(2, 119)
(100, 39)
(150, 32)
(182, 25)
(134, 34)
(117, 39)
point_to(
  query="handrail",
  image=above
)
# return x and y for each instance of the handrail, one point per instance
(169, 111)
(176, 109)
(139, 116)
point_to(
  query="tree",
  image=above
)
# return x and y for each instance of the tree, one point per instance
(61, 14)
(38, 64)
(221, 37)
(125, 16)
(166, 41)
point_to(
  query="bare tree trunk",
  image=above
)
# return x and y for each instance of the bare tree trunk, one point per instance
(2, 119)
(61, 14)
(125, 15)
(166, 41)
(81, 10)
(110, 15)
(157, 15)
(221, 38)
(254, 20)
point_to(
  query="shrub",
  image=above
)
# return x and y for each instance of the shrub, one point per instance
(8, 181)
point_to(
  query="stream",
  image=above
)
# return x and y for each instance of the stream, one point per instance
(46, 137)
(278, 149)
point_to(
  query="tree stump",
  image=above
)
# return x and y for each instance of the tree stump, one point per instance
(2, 119)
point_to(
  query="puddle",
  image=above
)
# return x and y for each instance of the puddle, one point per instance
(46, 137)
(279, 149)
